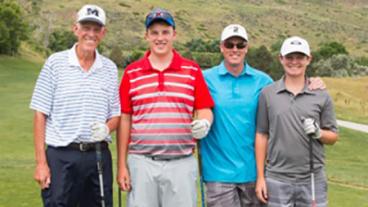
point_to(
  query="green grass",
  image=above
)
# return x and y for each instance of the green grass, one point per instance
(346, 161)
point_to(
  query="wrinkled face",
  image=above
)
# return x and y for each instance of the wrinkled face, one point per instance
(89, 35)
(160, 38)
(295, 64)
(234, 50)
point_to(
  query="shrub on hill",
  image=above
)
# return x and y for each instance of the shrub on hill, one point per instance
(340, 65)
(61, 40)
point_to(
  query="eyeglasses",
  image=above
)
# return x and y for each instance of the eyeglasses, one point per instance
(230, 45)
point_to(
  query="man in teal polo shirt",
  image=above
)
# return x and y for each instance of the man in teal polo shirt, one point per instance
(228, 160)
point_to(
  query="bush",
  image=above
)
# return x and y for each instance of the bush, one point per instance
(199, 45)
(61, 40)
(340, 65)
(262, 59)
(328, 50)
(206, 59)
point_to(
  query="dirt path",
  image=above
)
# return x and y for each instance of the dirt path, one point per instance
(352, 125)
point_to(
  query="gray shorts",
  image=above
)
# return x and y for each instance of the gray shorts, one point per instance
(160, 183)
(282, 193)
(231, 194)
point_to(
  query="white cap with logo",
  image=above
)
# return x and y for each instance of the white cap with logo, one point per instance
(234, 30)
(295, 44)
(92, 13)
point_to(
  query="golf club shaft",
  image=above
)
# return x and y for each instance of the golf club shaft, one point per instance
(201, 184)
(100, 172)
(311, 165)
(119, 196)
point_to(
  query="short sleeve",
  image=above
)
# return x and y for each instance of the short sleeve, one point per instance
(202, 95)
(115, 101)
(262, 115)
(43, 93)
(126, 105)
(328, 119)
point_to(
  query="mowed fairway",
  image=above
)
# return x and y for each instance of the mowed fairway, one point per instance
(347, 161)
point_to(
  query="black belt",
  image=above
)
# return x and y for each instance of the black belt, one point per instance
(161, 158)
(85, 146)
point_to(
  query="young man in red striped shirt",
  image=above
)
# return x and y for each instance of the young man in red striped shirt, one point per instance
(159, 95)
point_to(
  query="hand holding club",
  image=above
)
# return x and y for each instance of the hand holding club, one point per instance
(99, 131)
(312, 128)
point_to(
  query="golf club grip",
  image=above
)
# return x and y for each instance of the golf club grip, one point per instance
(311, 163)
(119, 196)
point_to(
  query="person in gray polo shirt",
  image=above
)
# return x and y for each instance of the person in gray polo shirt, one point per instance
(291, 117)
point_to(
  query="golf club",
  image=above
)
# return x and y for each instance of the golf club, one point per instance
(100, 172)
(311, 167)
(119, 196)
(201, 184)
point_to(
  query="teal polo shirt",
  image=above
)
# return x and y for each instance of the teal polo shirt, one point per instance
(228, 150)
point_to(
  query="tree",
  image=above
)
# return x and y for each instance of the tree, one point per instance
(61, 40)
(13, 28)
(262, 59)
(340, 65)
(117, 56)
(328, 50)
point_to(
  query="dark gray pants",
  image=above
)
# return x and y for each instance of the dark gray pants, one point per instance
(231, 194)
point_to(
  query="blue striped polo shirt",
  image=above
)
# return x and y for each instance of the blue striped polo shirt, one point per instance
(73, 99)
(228, 149)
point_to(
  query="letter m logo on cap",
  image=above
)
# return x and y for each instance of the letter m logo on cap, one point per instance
(92, 11)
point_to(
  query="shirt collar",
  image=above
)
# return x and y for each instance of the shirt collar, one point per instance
(247, 70)
(281, 87)
(73, 58)
(175, 62)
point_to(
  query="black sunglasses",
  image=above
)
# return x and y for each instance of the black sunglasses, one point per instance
(230, 45)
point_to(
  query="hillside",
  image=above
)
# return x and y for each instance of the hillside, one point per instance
(344, 21)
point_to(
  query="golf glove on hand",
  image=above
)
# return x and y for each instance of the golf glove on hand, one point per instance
(200, 128)
(311, 128)
(99, 131)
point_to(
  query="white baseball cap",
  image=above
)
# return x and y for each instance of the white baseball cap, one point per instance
(92, 13)
(295, 44)
(234, 30)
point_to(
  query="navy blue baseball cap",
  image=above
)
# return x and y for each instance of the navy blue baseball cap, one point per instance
(159, 14)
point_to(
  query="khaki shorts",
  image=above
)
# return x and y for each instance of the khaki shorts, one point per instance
(162, 183)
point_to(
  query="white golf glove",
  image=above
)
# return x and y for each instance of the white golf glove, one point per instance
(99, 131)
(311, 128)
(200, 128)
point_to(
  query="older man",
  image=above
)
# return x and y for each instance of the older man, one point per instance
(76, 103)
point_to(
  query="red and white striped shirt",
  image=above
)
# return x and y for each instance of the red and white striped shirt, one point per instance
(161, 104)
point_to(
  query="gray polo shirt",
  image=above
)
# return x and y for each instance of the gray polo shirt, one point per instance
(280, 116)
